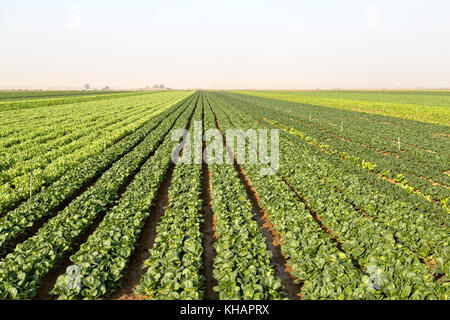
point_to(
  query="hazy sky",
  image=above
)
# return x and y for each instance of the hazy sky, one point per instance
(225, 44)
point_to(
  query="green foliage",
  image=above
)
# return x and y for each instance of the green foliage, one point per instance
(35, 257)
(242, 265)
(174, 264)
(367, 215)
(430, 107)
(53, 140)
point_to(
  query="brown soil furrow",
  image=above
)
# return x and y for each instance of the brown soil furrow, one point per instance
(134, 269)
(365, 214)
(207, 229)
(319, 219)
(82, 189)
(385, 153)
(416, 191)
(435, 183)
(278, 261)
(48, 282)
(39, 223)
(357, 143)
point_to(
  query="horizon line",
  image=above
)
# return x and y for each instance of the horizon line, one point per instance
(231, 89)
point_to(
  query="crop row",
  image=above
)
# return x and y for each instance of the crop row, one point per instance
(22, 127)
(372, 142)
(242, 266)
(419, 226)
(366, 240)
(48, 164)
(323, 270)
(428, 107)
(102, 259)
(422, 232)
(412, 201)
(419, 168)
(60, 100)
(23, 269)
(25, 130)
(47, 167)
(174, 263)
(381, 130)
(19, 151)
(20, 220)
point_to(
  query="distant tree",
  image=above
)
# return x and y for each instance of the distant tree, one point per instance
(106, 88)
(87, 86)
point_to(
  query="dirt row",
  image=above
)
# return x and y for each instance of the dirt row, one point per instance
(207, 227)
(134, 269)
(428, 262)
(78, 193)
(272, 237)
(145, 242)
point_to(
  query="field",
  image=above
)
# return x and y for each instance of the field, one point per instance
(93, 207)
(424, 106)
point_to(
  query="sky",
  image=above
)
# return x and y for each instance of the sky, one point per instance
(226, 44)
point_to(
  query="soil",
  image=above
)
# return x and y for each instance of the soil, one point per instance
(48, 282)
(273, 239)
(319, 219)
(207, 228)
(134, 270)
(54, 211)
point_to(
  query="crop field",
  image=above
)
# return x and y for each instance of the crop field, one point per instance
(425, 106)
(93, 205)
